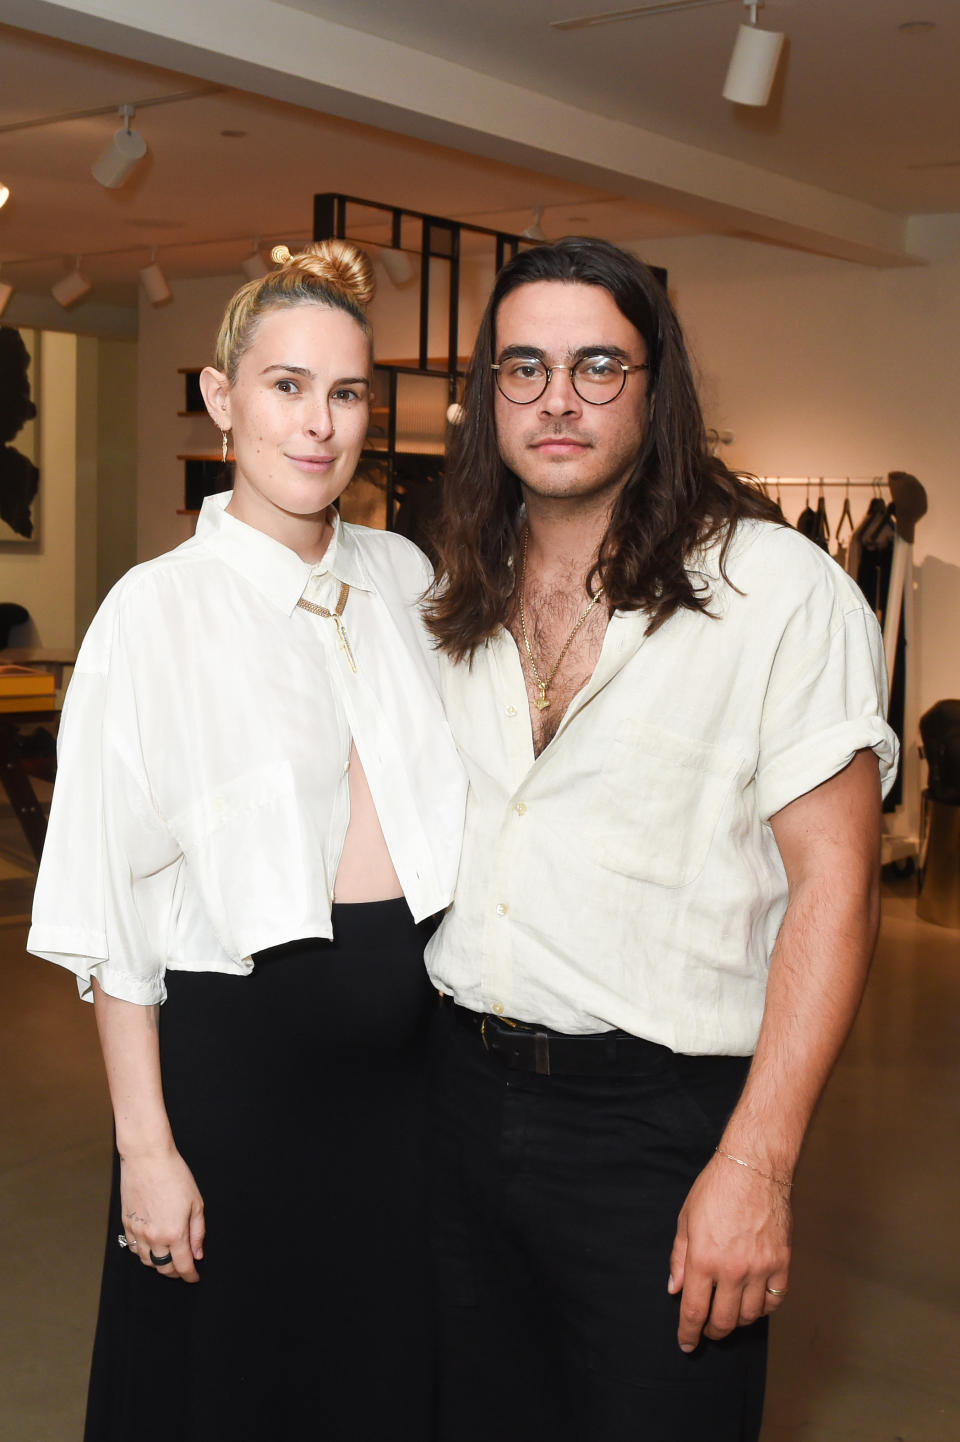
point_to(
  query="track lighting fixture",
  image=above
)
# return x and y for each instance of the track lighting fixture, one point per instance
(71, 287)
(125, 151)
(753, 64)
(534, 230)
(154, 282)
(399, 267)
(253, 265)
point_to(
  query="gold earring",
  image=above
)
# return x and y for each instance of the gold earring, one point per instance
(224, 446)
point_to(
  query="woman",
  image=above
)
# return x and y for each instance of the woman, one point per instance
(258, 808)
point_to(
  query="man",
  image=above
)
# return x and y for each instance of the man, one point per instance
(670, 708)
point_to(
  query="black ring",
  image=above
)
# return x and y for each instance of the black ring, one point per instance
(161, 1261)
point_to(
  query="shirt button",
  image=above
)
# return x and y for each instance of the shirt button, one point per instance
(511, 710)
(502, 908)
(498, 1007)
(521, 808)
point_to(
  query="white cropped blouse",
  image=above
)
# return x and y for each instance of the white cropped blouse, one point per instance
(202, 798)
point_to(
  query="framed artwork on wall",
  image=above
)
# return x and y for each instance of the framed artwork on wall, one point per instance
(19, 437)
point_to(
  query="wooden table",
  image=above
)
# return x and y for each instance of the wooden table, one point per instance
(15, 780)
(45, 658)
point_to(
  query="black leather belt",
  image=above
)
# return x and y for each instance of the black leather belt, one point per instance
(522, 1047)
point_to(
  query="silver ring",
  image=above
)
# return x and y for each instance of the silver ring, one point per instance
(122, 1241)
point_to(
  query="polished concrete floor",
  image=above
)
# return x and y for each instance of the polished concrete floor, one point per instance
(866, 1350)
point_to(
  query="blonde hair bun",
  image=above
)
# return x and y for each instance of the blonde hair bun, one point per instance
(329, 272)
(336, 263)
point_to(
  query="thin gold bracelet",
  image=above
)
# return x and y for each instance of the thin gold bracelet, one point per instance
(767, 1176)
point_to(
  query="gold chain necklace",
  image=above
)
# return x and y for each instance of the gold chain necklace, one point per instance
(543, 686)
(335, 615)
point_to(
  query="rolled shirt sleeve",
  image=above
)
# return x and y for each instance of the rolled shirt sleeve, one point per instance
(109, 861)
(826, 697)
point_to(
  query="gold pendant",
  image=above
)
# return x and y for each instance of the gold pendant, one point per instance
(345, 644)
(541, 702)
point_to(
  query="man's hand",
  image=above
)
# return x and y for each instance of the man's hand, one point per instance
(732, 1243)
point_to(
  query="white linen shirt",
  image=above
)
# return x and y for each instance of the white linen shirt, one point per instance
(202, 797)
(628, 876)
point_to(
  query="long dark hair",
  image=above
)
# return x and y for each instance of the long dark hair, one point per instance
(677, 497)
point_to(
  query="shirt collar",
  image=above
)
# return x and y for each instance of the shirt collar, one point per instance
(276, 571)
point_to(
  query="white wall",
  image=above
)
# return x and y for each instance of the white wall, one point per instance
(181, 333)
(116, 461)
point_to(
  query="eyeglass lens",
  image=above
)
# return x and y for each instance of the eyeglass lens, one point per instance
(596, 379)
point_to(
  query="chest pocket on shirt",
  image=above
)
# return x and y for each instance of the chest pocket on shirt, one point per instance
(660, 797)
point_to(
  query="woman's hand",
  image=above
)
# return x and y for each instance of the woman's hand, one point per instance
(162, 1212)
(161, 1203)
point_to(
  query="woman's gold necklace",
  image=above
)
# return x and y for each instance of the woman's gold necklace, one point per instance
(543, 686)
(335, 616)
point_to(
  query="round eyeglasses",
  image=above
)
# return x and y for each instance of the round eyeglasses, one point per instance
(597, 379)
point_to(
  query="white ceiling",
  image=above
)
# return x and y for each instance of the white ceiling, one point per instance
(860, 109)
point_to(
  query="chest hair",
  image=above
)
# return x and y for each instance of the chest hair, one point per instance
(551, 612)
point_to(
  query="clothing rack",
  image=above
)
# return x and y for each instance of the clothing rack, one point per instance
(853, 482)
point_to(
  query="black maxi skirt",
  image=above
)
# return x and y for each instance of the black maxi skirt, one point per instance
(295, 1095)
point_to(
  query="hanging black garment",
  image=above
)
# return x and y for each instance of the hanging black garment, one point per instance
(876, 536)
(878, 532)
(876, 510)
(814, 524)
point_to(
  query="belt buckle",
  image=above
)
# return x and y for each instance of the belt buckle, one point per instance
(507, 1021)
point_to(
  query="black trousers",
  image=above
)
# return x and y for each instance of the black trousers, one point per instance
(555, 1201)
(296, 1095)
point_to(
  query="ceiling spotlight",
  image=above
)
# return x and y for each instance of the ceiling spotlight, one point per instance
(4, 194)
(154, 282)
(71, 288)
(753, 64)
(534, 230)
(253, 265)
(6, 291)
(126, 150)
(398, 266)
